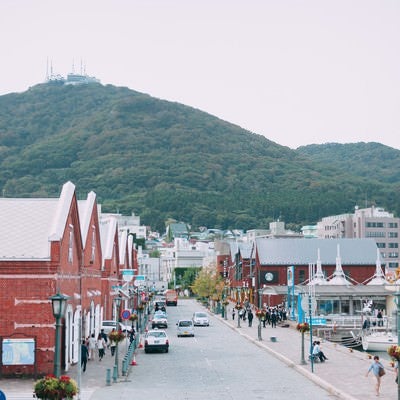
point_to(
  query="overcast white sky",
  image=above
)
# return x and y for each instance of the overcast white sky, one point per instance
(297, 72)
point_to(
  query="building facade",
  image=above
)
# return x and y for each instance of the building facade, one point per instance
(374, 223)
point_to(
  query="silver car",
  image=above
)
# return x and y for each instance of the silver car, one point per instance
(185, 327)
(200, 319)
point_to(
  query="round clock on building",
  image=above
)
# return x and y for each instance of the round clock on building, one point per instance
(269, 276)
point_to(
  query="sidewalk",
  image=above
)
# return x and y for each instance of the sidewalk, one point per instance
(93, 379)
(342, 375)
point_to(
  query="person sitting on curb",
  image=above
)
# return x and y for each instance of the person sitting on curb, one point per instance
(317, 352)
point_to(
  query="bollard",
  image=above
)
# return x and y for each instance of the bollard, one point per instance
(108, 377)
(124, 365)
(115, 374)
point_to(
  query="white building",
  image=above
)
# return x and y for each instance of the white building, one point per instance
(374, 223)
(185, 254)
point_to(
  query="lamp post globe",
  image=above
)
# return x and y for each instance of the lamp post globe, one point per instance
(58, 304)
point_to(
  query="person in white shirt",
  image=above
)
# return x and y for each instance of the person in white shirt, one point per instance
(92, 342)
(101, 345)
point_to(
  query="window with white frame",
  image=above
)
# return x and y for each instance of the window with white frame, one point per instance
(93, 252)
(71, 244)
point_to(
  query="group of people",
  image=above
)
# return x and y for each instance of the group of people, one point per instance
(244, 314)
(101, 343)
(272, 315)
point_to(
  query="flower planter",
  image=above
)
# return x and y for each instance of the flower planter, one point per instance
(53, 388)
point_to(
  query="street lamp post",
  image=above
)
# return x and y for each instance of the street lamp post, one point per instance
(395, 289)
(58, 303)
(260, 291)
(397, 294)
(239, 309)
(117, 301)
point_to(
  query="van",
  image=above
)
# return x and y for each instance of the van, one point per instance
(185, 327)
(171, 297)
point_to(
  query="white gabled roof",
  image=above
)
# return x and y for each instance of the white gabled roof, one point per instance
(123, 238)
(85, 208)
(108, 227)
(27, 226)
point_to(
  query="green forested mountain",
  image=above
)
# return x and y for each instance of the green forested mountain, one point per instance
(165, 160)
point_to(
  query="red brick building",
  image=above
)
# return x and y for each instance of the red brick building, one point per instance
(250, 268)
(49, 246)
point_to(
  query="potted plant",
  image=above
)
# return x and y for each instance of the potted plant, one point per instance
(133, 317)
(260, 314)
(303, 327)
(116, 336)
(394, 352)
(52, 388)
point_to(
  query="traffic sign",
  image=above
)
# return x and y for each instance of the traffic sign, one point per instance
(125, 314)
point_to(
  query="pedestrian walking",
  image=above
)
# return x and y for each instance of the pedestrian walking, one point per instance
(92, 342)
(101, 345)
(84, 355)
(233, 313)
(274, 318)
(132, 335)
(379, 317)
(378, 370)
(250, 318)
(113, 344)
(105, 337)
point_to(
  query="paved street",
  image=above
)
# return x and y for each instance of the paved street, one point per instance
(227, 362)
(217, 361)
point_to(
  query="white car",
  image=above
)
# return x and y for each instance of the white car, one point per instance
(159, 321)
(109, 325)
(156, 340)
(200, 319)
(185, 327)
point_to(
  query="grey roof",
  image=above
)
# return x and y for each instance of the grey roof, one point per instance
(27, 225)
(305, 251)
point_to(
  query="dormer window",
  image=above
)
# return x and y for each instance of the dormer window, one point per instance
(93, 252)
(70, 244)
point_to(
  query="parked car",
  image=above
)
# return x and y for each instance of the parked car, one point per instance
(159, 321)
(200, 319)
(185, 327)
(109, 325)
(156, 340)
